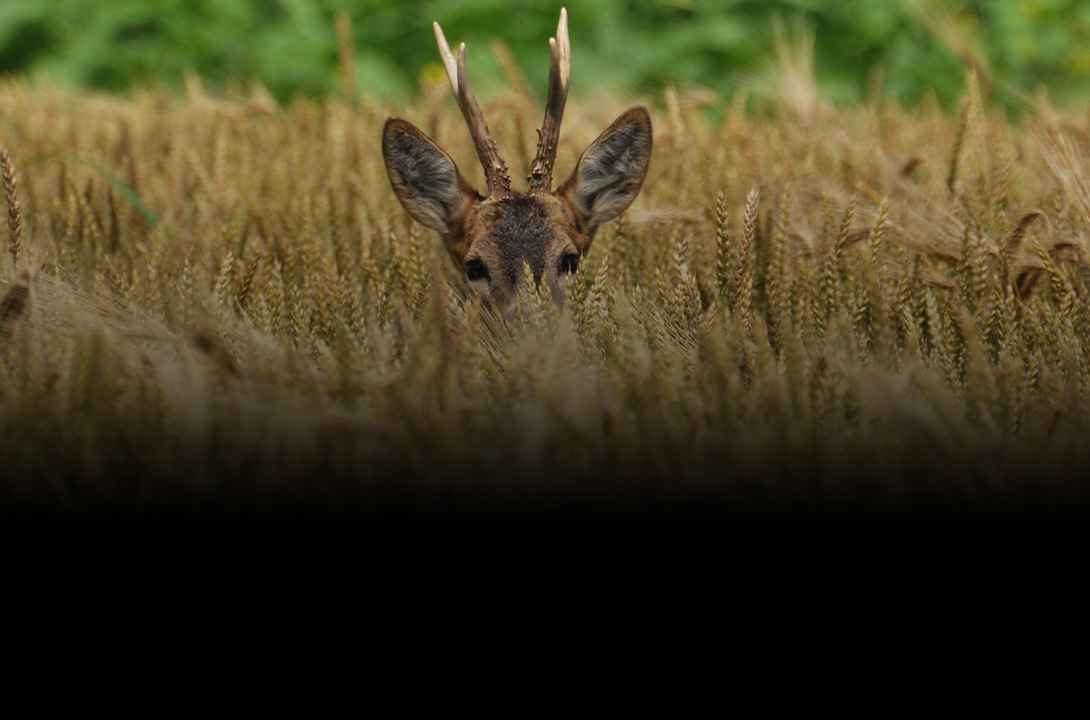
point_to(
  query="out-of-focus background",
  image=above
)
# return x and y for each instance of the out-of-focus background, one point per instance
(902, 48)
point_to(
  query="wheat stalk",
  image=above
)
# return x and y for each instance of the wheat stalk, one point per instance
(11, 197)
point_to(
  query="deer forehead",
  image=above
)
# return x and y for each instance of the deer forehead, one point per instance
(505, 232)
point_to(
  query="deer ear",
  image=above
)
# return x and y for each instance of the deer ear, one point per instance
(424, 178)
(610, 171)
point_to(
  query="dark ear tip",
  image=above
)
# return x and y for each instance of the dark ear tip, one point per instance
(396, 125)
(638, 114)
(395, 128)
(634, 117)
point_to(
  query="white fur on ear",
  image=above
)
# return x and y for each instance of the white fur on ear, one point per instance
(424, 178)
(611, 170)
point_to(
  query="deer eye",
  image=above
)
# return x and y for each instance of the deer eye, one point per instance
(476, 270)
(568, 263)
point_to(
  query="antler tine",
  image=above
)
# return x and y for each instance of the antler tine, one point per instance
(495, 169)
(448, 57)
(541, 171)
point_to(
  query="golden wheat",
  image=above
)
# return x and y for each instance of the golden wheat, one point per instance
(223, 287)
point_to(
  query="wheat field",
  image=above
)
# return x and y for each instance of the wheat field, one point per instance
(209, 297)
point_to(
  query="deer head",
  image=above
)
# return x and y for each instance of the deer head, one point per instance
(489, 237)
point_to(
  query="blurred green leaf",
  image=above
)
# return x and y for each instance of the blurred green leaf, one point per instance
(127, 192)
(624, 45)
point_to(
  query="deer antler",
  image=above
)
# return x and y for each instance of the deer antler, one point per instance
(495, 169)
(541, 171)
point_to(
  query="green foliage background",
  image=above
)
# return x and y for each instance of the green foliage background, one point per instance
(624, 45)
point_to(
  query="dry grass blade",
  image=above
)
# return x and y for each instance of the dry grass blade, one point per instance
(1013, 246)
(1067, 166)
(955, 152)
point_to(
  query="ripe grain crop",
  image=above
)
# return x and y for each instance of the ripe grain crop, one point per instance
(220, 297)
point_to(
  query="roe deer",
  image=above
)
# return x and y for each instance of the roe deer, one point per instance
(489, 237)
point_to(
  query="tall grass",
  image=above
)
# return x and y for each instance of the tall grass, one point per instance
(220, 296)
